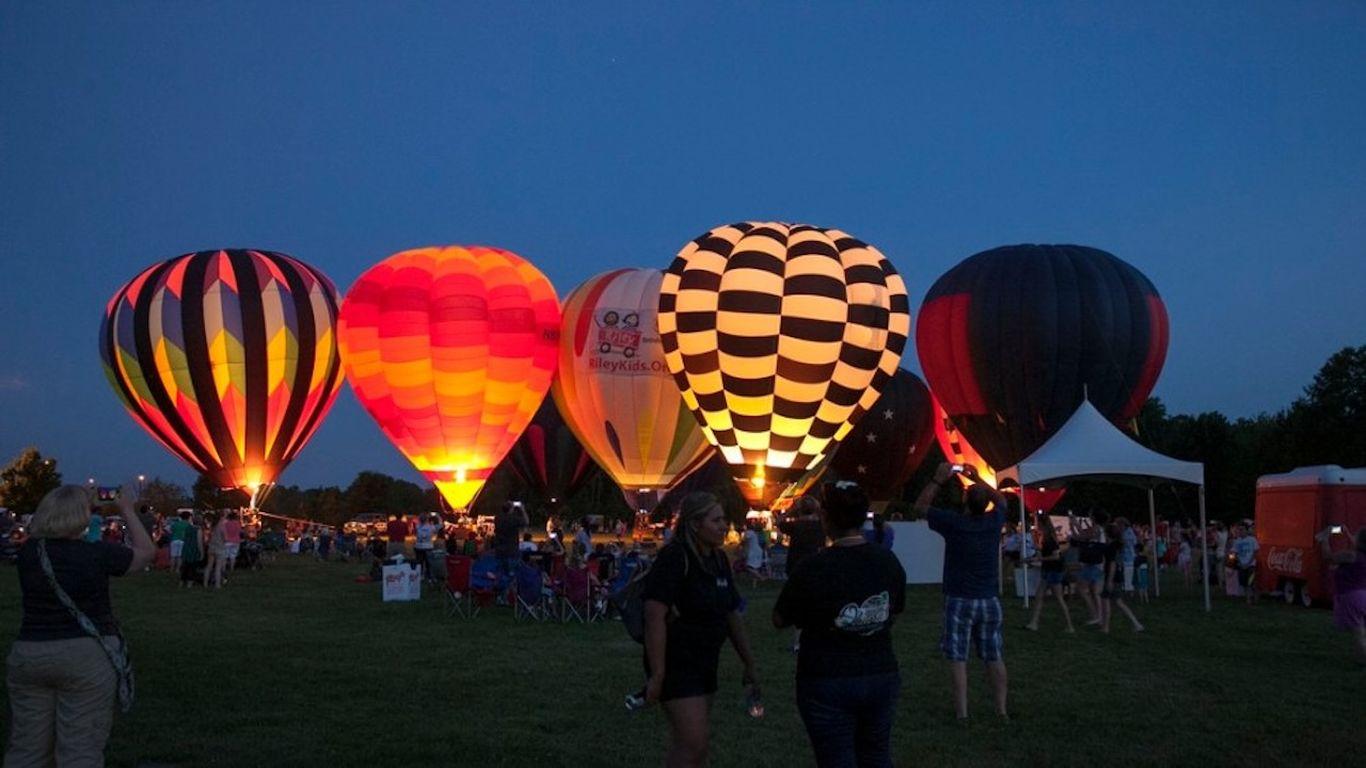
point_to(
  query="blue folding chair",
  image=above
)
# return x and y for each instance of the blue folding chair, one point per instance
(531, 601)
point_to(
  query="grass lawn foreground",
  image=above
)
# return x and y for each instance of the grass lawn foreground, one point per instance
(298, 665)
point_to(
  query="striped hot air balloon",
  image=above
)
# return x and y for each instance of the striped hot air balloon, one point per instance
(451, 350)
(228, 358)
(780, 337)
(614, 388)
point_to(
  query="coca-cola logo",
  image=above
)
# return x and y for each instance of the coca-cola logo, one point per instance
(1286, 560)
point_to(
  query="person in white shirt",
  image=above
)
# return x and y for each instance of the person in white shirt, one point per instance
(754, 552)
(527, 544)
(424, 536)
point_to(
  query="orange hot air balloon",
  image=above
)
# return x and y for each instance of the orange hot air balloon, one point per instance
(451, 350)
(228, 358)
(614, 389)
(780, 337)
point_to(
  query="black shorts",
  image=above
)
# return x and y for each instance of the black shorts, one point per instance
(1246, 576)
(688, 670)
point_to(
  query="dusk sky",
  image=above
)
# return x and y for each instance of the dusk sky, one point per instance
(1217, 147)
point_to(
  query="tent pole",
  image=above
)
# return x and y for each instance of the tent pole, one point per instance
(1024, 531)
(1153, 572)
(1204, 548)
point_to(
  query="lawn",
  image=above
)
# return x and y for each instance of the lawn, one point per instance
(299, 665)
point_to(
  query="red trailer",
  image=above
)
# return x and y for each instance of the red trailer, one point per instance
(1291, 508)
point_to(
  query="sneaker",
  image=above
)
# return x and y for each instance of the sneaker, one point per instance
(635, 701)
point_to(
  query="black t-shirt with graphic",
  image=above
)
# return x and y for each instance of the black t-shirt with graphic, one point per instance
(845, 599)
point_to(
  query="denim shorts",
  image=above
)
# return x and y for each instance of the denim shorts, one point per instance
(975, 621)
(1091, 574)
(1054, 578)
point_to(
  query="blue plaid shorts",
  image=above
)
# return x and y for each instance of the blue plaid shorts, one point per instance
(975, 620)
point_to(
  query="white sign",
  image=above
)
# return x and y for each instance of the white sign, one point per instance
(402, 583)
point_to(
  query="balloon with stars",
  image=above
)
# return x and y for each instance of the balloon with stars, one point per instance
(888, 444)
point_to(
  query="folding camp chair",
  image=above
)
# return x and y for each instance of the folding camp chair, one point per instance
(459, 591)
(530, 594)
(577, 598)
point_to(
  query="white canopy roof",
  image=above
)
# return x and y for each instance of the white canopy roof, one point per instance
(1088, 445)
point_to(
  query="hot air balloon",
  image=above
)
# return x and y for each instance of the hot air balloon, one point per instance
(615, 391)
(228, 358)
(451, 350)
(1013, 338)
(958, 450)
(889, 442)
(780, 337)
(548, 458)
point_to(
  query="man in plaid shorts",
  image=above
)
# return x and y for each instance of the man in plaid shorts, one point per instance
(972, 611)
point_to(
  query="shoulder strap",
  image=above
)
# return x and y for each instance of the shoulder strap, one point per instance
(84, 621)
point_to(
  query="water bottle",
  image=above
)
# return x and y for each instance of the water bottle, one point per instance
(753, 704)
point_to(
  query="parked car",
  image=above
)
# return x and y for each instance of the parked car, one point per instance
(361, 524)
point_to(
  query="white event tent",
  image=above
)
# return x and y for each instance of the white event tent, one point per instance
(1089, 446)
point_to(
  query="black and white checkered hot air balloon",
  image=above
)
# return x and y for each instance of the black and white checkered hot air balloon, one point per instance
(780, 336)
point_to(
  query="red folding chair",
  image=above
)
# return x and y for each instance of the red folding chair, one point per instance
(460, 597)
(577, 598)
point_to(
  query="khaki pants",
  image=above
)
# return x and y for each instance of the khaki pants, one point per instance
(61, 699)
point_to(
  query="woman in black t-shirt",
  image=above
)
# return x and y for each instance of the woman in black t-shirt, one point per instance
(691, 608)
(1054, 569)
(61, 684)
(1112, 598)
(844, 598)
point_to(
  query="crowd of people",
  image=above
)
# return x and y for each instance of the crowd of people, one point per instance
(842, 591)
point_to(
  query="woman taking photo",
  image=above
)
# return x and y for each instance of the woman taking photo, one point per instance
(62, 682)
(691, 607)
(1349, 586)
(844, 599)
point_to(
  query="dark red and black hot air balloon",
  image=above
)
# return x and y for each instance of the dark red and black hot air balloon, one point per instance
(1013, 338)
(548, 458)
(889, 442)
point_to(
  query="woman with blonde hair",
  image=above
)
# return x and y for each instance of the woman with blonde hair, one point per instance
(691, 607)
(61, 670)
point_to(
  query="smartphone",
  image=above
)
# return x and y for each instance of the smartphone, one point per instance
(1335, 529)
(957, 467)
(107, 493)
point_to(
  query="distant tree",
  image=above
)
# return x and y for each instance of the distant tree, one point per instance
(27, 480)
(406, 498)
(207, 495)
(1329, 421)
(369, 492)
(164, 496)
(328, 506)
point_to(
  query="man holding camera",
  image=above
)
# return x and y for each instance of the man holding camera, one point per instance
(972, 610)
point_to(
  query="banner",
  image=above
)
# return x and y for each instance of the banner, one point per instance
(402, 582)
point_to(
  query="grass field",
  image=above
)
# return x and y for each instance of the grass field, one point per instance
(298, 665)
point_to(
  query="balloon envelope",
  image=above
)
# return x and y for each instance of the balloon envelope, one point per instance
(887, 445)
(228, 358)
(451, 350)
(958, 450)
(1011, 340)
(780, 337)
(614, 388)
(548, 458)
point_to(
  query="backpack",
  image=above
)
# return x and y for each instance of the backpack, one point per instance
(630, 600)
